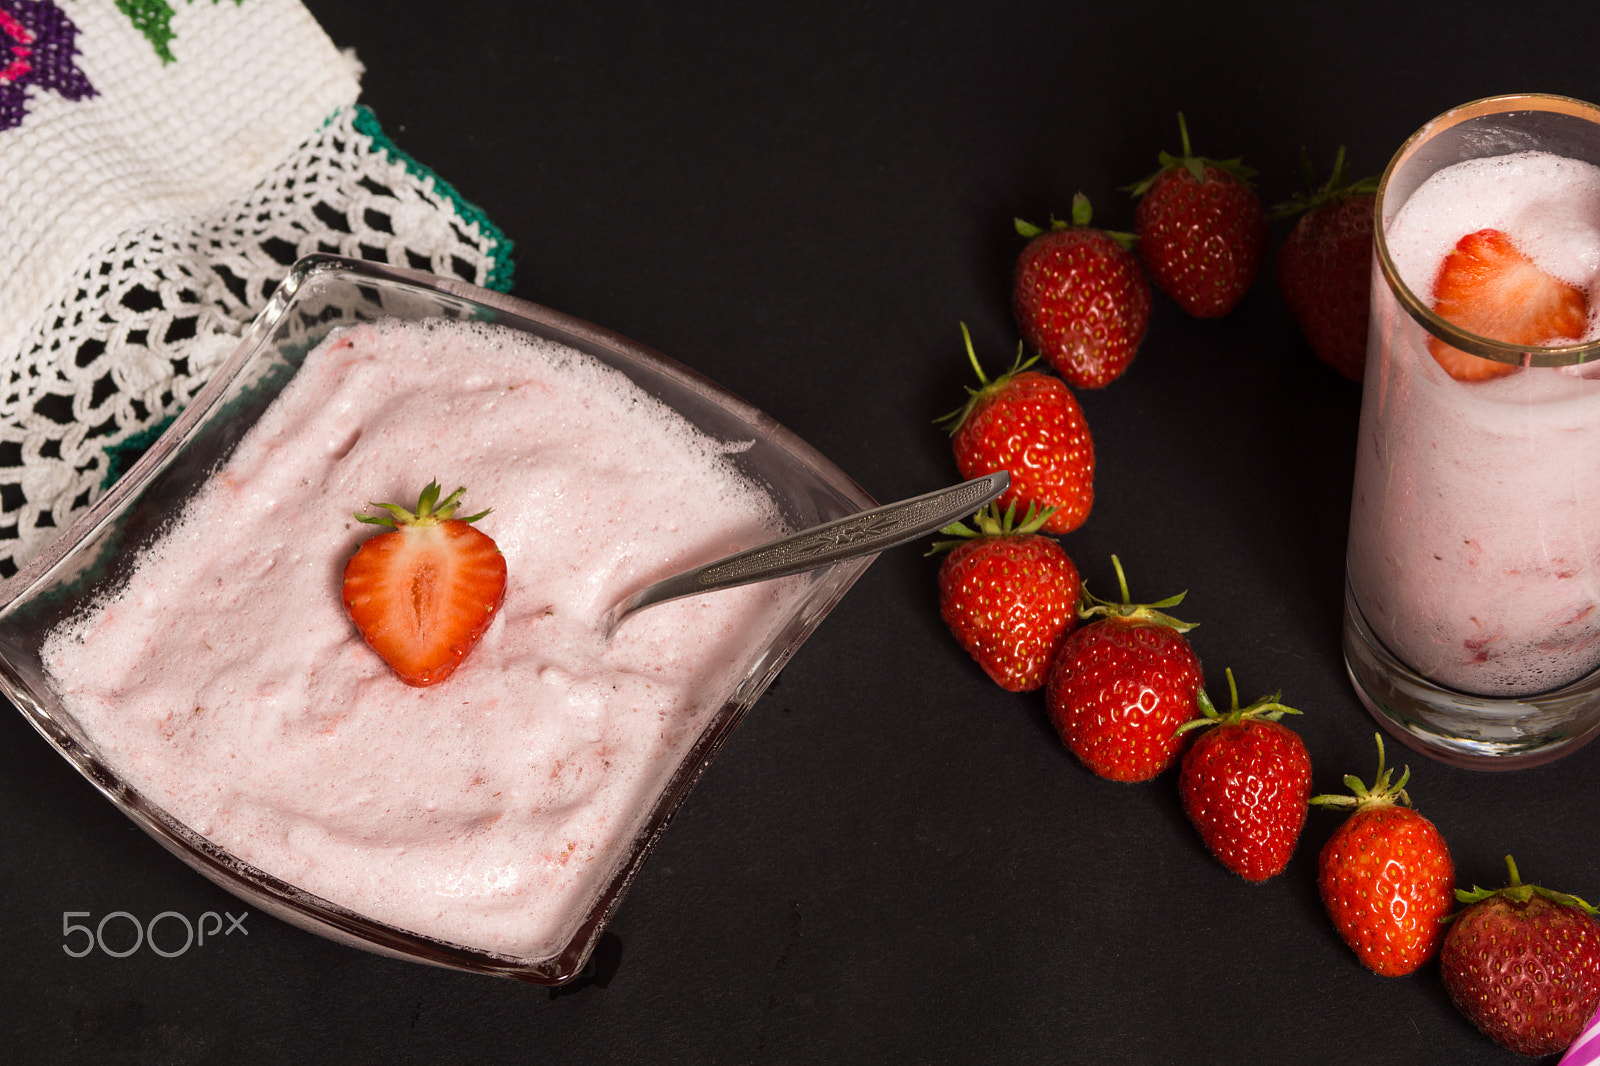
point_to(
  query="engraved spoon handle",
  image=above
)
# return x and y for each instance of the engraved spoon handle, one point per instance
(863, 533)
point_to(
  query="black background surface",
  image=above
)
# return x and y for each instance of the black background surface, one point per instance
(892, 860)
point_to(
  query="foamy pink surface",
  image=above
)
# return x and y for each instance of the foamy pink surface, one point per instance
(1475, 526)
(227, 684)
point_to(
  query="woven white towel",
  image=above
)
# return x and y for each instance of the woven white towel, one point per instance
(162, 162)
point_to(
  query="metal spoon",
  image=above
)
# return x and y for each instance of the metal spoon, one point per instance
(863, 533)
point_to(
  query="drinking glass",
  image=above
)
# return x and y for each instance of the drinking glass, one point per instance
(1472, 607)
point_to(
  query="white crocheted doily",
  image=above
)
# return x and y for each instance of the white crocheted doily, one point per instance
(100, 348)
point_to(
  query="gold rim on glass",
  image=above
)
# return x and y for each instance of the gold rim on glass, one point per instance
(1562, 355)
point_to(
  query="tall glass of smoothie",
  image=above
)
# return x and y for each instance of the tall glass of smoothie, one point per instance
(1472, 616)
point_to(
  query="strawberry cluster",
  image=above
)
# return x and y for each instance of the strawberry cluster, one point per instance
(1125, 691)
(1081, 295)
(1122, 685)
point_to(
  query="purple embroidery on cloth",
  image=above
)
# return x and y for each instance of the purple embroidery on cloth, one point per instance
(38, 45)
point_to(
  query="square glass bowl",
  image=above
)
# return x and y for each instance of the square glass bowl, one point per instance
(321, 293)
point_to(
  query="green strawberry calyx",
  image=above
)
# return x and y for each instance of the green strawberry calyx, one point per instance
(1265, 709)
(1517, 892)
(1337, 187)
(1082, 213)
(1383, 792)
(430, 510)
(992, 522)
(1194, 164)
(1091, 607)
(986, 388)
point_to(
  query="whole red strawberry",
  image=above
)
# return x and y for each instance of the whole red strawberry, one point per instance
(423, 593)
(1122, 684)
(1201, 230)
(1325, 266)
(1030, 425)
(1385, 876)
(1008, 594)
(1079, 297)
(1523, 964)
(1245, 784)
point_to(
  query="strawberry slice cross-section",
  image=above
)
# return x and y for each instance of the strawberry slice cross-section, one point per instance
(1488, 286)
(423, 593)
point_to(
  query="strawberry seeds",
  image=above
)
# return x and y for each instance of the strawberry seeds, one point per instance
(1123, 687)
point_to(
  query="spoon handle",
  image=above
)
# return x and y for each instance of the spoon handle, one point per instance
(863, 533)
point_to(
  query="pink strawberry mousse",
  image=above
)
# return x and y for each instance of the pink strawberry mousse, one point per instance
(1475, 530)
(226, 683)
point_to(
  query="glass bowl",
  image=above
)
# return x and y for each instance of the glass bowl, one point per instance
(322, 293)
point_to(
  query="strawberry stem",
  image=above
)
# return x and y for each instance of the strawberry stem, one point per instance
(1122, 578)
(972, 356)
(1265, 709)
(1517, 892)
(1082, 215)
(1383, 793)
(1092, 606)
(1337, 187)
(1195, 165)
(954, 419)
(430, 511)
(989, 522)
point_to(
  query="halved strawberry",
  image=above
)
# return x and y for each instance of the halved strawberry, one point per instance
(1488, 286)
(423, 593)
